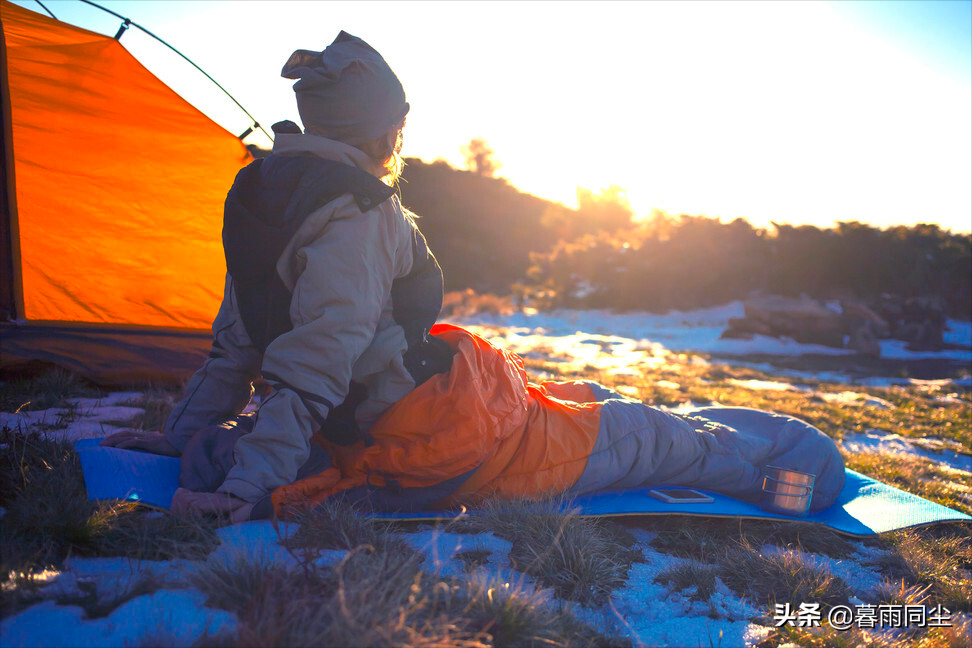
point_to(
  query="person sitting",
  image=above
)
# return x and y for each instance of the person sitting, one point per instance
(332, 296)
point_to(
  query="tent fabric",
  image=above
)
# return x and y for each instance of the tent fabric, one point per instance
(119, 183)
(106, 355)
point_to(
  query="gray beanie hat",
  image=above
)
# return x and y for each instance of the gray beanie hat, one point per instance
(347, 91)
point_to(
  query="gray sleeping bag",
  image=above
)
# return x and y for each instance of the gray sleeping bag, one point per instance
(723, 449)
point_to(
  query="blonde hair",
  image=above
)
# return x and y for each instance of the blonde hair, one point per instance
(386, 152)
(382, 150)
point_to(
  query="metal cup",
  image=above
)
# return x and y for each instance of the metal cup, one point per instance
(787, 492)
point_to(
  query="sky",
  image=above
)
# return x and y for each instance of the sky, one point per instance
(797, 112)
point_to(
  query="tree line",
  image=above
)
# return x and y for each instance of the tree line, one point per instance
(490, 237)
(493, 238)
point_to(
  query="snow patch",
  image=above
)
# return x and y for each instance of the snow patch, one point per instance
(111, 400)
(941, 451)
(179, 616)
(441, 548)
(855, 399)
(532, 332)
(84, 420)
(757, 385)
(653, 615)
(258, 541)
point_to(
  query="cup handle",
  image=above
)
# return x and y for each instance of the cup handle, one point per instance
(766, 478)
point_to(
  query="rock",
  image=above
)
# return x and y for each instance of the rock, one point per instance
(736, 334)
(768, 307)
(909, 332)
(857, 313)
(928, 337)
(746, 325)
(802, 319)
(864, 341)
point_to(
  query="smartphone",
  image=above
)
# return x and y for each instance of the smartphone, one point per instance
(679, 495)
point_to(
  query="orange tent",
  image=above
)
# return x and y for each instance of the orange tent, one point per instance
(112, 261)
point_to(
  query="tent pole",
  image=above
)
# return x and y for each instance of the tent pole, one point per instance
(50, 13)
(128, 22)
(12, 290)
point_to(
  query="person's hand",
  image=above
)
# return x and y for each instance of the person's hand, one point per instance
(186, 503)
(141, 440)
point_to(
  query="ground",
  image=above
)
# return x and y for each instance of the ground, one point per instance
(81, 573)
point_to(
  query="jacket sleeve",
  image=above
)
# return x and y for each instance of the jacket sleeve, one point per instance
(336, 306)
(222, 387)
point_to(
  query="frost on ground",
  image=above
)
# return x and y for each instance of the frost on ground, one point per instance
(83, 418)
(940, 451)
(642, 338)
(644, 611)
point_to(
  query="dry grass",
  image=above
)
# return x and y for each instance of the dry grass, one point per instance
(473, 558)
(956, 636)
(48, 513)
(48, 517)
(49, 389)
(779, 577)
(335, 525)
(381, 597)
(807, 537)
(383, 594)
(701, 538)
(152, 535)
(937, 559)
(690, 576)
(156, 401)
(581, 559)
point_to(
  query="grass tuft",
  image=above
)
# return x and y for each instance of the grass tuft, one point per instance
(690, 575)
(939, 559)
(473, 558)
(336, 525)
(155, 535)
(48, 513)
(157, 402)
(581, 559)
(48, 517)
(809, 538)
(382, 597)
(784, 576)
(49, 389)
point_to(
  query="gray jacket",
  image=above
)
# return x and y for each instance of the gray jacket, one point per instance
(340, 267)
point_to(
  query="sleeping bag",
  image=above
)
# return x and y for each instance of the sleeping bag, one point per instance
(482, 430)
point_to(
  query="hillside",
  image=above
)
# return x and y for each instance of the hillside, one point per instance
(490, 237)
(481, 229)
